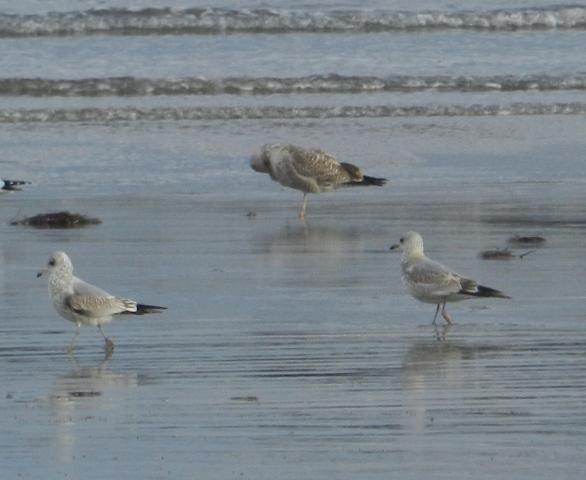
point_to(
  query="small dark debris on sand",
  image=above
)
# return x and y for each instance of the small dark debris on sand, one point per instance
(502, 254)
(80, 394)
(13, 185)
(246, 398)
(534, 240)
(63, 219)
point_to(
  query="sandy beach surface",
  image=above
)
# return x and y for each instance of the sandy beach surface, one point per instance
(288, 350)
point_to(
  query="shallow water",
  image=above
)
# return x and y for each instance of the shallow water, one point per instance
(291, 350)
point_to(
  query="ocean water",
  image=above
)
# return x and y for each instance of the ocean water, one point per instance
(290, 350)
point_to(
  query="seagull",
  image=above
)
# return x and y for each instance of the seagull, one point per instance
(85, 304)
(432, 282)
(311, 171)
(12, 185)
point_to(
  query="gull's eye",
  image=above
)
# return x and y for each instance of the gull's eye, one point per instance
(401, 240)
(52, 262)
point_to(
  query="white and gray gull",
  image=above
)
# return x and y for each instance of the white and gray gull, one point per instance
(83, 303)
(432, 282)
(311, 171)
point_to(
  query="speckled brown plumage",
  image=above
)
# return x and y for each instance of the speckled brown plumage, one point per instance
(311, 171)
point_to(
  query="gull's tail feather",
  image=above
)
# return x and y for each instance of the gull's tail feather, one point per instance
(357, 179)
(13, 184)
(368, 181)
(142, 309)
(486, 292)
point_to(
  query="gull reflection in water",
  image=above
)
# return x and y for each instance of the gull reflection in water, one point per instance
(305, 239)
(320, 255)
(77, 396)
(432, 372)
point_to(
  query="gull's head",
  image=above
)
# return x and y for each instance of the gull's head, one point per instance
(58, 262)
(261, 160)
(410, 243)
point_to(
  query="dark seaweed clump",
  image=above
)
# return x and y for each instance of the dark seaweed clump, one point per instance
(57, 220)
(534, 240)
(504, 254)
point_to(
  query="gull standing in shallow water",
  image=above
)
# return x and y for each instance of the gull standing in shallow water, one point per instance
(84, 304)
(311, 171)
(431, 282)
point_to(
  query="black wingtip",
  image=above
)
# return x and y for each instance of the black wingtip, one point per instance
(142, 309)
(368, 181)
(488, 292)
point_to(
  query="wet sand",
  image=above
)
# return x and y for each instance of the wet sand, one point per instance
(291, 351)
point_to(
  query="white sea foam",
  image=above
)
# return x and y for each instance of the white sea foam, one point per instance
(331, 83)
(127, 114)
(221, 20)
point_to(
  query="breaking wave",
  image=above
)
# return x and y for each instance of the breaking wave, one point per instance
(219, 20)
(106, 115)
(131, 86)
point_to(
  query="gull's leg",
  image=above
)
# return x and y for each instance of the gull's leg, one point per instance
(73, 340)
(109, 343)
(73, 360)
(442, 334)
(446, 329)
(303, 207)
(445, 315)
(438, 336)
(107, 357)
(436, 312)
